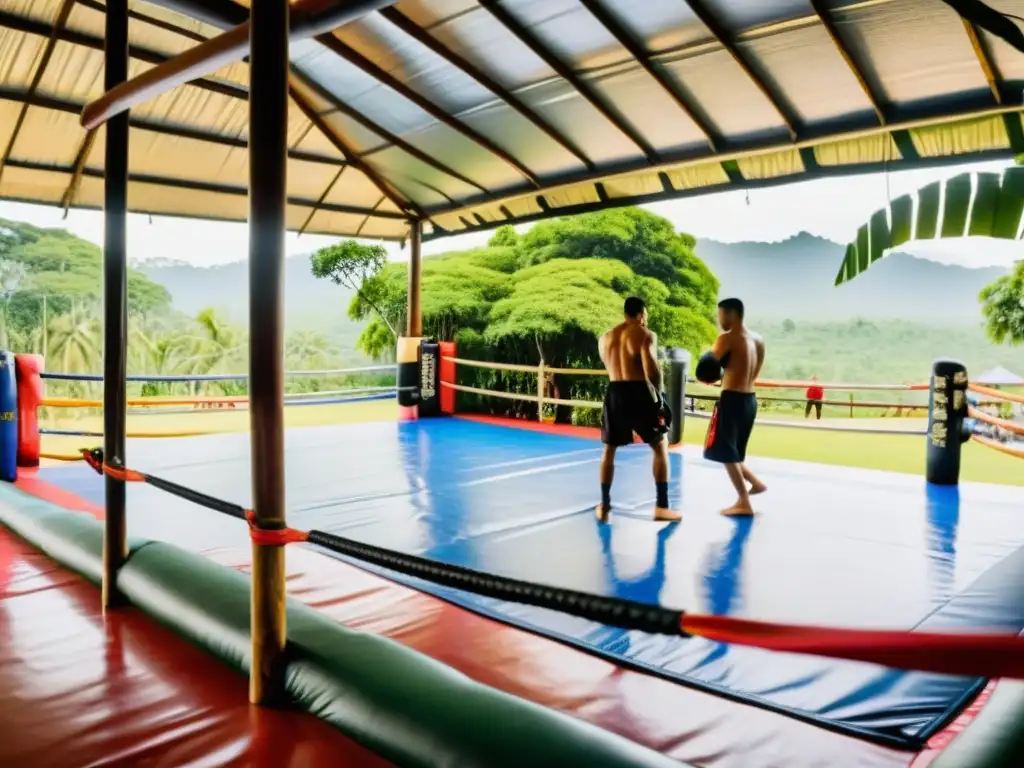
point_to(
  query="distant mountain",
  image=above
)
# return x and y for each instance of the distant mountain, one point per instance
(226, 287)
(795, 279)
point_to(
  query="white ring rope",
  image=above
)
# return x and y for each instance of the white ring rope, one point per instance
(768, 383)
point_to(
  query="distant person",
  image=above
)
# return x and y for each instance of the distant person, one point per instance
(633, 404)
(815, 394)
(738, 354)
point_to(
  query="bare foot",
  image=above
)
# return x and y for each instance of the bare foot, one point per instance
(664, 513)
(756, 488)
(739, 509)
(601, 512)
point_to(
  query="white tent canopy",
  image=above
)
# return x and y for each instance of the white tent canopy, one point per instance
(999, 376)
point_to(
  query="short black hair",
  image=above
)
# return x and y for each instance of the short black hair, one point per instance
(634, 306)
(732, 305)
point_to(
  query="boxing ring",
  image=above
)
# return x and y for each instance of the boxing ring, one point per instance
(850, 549)
(448, 598)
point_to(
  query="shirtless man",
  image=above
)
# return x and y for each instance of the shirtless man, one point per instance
(741, 353)
(633, 403)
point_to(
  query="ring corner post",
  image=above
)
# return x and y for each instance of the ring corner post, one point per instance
(947, 409)
(268, 125)
(115, 302)
(679, 369)
(408, 357)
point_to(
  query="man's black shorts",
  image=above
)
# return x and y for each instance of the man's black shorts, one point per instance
(629, 407)
(731, 424)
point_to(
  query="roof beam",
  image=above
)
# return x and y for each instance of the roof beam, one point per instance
(828, 21)
(390, 193)
(423, 37)
(728, 40)
(142, 124)
(204, 186)
(81, 158)
(581, 86)
(356, 59)
(988, 67)
(628, 41)
(320, 200)
(33, 27)
(384, 133)
(58, 25)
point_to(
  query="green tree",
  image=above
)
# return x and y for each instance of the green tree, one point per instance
(1002, 304)
(351, 265)
(648, 244)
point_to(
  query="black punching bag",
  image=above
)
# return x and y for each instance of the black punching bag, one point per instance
(947, 409)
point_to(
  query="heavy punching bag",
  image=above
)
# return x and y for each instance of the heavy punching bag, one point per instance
(947, 409)
(8, 418)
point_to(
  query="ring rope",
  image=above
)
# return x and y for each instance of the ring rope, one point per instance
(982, 655)
(158, 402)
(760, 383)
(814, 426)
(995, 445)
(217, 376)
(996, 393)
(696, 414)
(995, 421)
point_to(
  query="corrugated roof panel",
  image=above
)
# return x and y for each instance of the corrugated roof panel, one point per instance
(734, 104)
(569, 31)
(174, 157)
(916, 50)
(562, 106)
(745, 14)
(9, 111)
(828, 90)
(19, 57)
(415, 65)
(664, 24)
(370, 227)
(354, 188)
(652, 110)
(47, 137)
(522, 139)
(151, 198)
(1008, 61)
(26, 185)
(478, 37)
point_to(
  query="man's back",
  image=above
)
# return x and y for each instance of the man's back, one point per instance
(746, 354)
(622, 351)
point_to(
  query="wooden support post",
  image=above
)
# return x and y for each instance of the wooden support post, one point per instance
(268, 145)
(115, 303)
(540, 391)
(414, 316)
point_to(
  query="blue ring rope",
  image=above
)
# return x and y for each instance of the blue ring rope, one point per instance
(218, 376)
(329, 401)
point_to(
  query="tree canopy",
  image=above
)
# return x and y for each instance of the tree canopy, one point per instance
(1002, 304)
(67, 271)
(549, 294)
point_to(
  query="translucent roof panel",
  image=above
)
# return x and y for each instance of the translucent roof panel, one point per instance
(472, 113)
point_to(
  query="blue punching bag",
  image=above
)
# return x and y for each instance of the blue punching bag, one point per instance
(8, 418)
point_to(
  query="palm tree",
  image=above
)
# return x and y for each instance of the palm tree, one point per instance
(75, 342)
(11, 275)
(215, 346)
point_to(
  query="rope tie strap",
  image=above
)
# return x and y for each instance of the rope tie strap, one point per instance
(272, 537)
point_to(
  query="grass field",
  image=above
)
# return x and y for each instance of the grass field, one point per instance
(898, 453)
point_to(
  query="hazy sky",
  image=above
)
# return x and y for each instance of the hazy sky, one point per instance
(831, 208)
